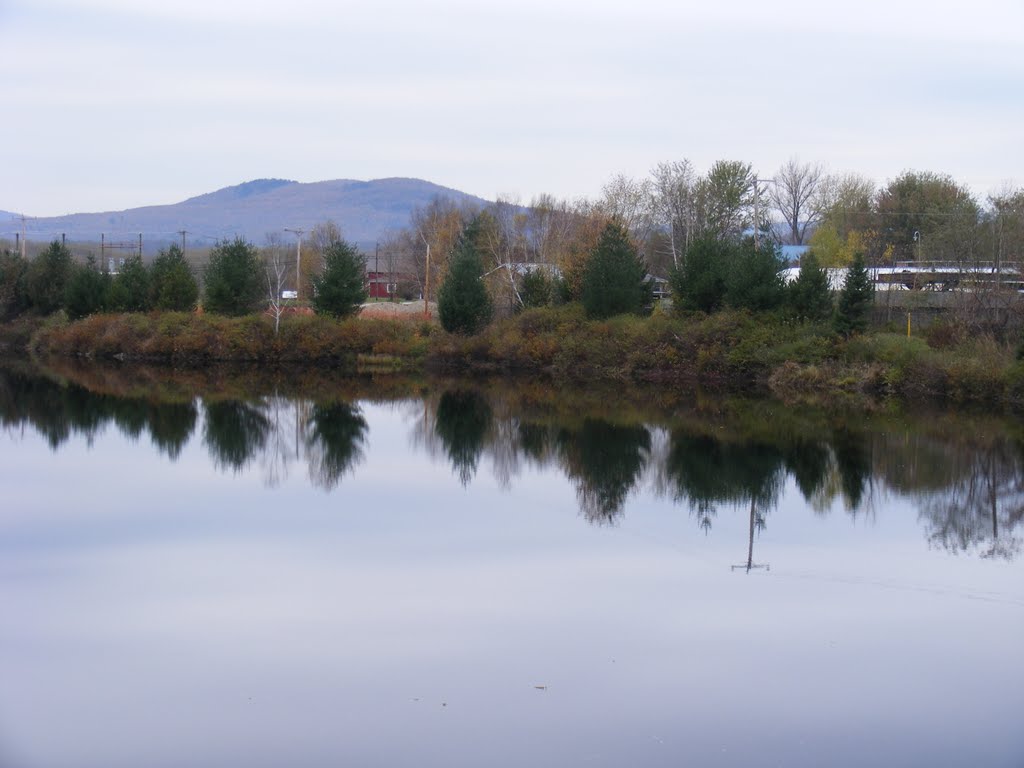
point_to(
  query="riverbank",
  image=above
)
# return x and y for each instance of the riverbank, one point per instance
(724, 352)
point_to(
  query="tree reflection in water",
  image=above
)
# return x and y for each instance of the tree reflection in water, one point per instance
(462, 423)
(967, 484)
(983, 505)
(280, 431)
(334, 441)
(706, 472)
(171, 426)
(235, 432)
(605, 462)
(852, 454)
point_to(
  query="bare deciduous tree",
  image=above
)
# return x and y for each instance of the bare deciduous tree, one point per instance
(793, 195)
(278, 266)
(631, 202)
(674, 204)
(503, 240)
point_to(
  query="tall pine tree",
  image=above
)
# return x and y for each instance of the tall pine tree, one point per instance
(172, 283)
(463, 303)
(341, 289)
(809, 295)
(854, 300)
(234, 279)
(614, 278)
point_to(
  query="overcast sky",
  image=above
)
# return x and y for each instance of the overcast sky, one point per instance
(112, 104)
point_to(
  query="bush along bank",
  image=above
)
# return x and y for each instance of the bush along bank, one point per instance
(187, 339)
(734, 351)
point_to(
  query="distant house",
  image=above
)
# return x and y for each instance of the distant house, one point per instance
(379, 285)
(527, 267)
(386, 285)
(660, 288)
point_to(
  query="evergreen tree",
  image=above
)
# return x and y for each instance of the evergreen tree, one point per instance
(341, 289)
(854, 300)
(809, 295)
(614, 277)
(172, 283)
(129, 290)
(754, 279)
(48, 276)
(463, 303)
(87, 289)
(698, 283)
(234, 280)
(536, 289)
(13, 284)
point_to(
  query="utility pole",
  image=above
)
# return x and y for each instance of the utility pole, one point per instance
(182, 232)
(426, 281)
(23, 236)
(757, 218)
(140, 246)
(426, 286)
(298, 258)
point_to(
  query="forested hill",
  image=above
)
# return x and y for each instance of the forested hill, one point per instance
(365, 211)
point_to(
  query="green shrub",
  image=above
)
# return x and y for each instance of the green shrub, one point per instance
(854, 299)
(130, 288)
(14, 297)
(614, 277)
(234, 282)
(698, 283)
(86, 290)
(753, 280)
(341, 289)
(536, 289)
(809, 296)
(47, 278)
(463, 304)
(173, 285)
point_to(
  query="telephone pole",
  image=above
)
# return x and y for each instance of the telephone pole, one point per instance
(298, 258)
(182, 232)
(426, 280)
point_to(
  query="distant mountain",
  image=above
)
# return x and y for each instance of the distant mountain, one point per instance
(365, 211)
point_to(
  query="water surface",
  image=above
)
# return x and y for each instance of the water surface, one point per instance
(459, 576)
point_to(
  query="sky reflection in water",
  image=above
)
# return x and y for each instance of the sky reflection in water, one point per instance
(445, 581)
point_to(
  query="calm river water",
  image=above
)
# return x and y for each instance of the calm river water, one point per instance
(193, 574)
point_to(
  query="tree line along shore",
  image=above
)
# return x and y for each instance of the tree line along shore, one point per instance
(732, 322)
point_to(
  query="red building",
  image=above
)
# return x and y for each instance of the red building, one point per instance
(379, 285)
(392, 285)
